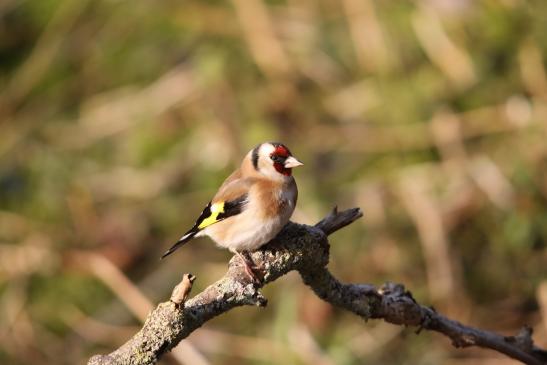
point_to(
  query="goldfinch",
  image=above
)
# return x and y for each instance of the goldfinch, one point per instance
(252, 205)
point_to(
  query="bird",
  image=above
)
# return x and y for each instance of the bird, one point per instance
(251, 206)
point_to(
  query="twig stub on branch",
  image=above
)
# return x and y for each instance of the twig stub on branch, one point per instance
(182, 290)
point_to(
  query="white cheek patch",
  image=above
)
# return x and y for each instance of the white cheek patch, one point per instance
(265, 163)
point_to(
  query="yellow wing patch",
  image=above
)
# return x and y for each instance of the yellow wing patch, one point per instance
(216, 209)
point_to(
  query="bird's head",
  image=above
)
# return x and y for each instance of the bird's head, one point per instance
(274, 160)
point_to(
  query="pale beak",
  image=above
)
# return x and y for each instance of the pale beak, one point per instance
(291, 162)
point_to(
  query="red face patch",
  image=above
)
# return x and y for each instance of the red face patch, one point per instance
(281, 151)
(279, 167)
(278, 156)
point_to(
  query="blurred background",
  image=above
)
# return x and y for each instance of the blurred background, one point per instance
(119, 119)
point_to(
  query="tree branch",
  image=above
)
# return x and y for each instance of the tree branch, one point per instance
(305, 249)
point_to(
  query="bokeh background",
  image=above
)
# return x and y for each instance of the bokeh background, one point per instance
(119, 119)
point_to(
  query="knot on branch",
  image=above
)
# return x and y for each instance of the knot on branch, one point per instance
(523, 339)
(399, 307)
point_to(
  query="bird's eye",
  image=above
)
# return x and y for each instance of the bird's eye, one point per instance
(276, 158)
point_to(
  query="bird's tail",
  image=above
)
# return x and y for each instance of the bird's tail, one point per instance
(187, 237)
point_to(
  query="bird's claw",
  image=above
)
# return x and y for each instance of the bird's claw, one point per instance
(252, 270)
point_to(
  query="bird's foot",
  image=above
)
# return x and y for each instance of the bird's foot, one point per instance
(251, 269)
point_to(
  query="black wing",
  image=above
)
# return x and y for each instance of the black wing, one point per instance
(213, 213)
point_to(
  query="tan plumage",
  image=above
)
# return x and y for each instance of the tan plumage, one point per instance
(253, 203)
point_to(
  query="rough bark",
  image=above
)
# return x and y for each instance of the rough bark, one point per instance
(305, 249)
